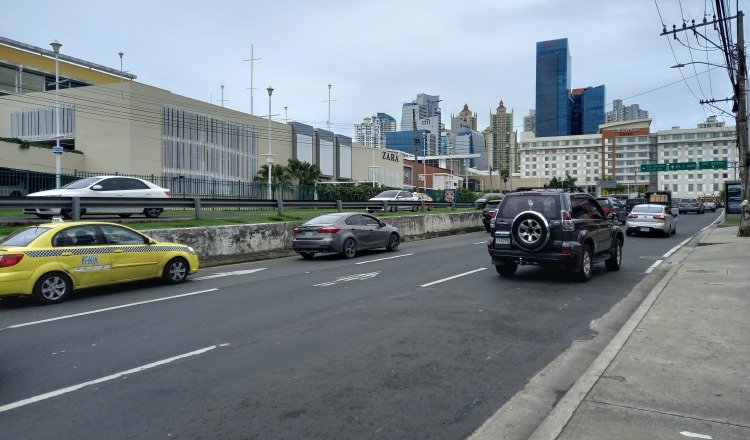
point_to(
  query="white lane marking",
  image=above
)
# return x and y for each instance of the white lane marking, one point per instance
(454, 277)
(674, 249)
(653, 266)
(481, 242)
(72, 388)
(385, 258)
(694, 435)
(25, 324)
(226, 274)
(361, 276)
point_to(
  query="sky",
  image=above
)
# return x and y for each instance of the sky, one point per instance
(379, 54)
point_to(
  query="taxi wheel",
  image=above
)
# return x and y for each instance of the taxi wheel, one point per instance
(176, 271)
(52, 288)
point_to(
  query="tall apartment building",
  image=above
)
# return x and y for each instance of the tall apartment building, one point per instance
(621, 112)
(501, 139)
(371, 132)
(466, 120)
(529, 122)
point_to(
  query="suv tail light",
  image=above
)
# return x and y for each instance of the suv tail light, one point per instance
(329, 230)
(9, 260)
(567, 221)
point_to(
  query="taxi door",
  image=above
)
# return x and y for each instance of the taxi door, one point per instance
(132, 257)
(82, 255)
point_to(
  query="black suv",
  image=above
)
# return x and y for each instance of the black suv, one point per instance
(563, 228)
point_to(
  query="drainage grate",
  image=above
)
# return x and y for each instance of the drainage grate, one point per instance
(702, 271)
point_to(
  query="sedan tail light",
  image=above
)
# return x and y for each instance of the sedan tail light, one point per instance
(9, 260)
(632, 215)
(297, 230)
(660, 217)
(168, 193)
(329, 230)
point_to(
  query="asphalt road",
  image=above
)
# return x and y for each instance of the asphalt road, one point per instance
(427, 342)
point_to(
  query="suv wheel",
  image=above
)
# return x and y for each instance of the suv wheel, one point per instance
(615, 256)
(530, 230)
(586, 269)
(507, 269)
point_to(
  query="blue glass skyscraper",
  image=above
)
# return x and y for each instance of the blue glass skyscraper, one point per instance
(553, 109)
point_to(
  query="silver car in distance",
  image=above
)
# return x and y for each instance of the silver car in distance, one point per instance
(345, 233)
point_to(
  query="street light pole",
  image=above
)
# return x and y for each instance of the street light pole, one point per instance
(269, 160)
(58, 149)
(121, 54)
(328, 123)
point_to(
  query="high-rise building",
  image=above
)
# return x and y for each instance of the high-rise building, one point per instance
(425, 112)
(620, 113)
(587, 110)
(529, 122)
(465, 121)
(552, 88)
(371, 132)
(500, 139)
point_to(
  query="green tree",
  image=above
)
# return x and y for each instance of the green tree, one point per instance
(302, 173)
(569, 180)
(554, 183)
(505, 174)
(279, 174)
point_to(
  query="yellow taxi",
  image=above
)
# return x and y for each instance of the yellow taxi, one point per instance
(51, 260)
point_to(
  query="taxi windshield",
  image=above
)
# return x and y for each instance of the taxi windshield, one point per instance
(24, 236)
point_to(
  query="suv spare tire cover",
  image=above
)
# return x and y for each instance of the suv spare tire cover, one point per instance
(530, 230)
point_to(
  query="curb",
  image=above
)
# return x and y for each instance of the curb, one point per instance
(560, 415)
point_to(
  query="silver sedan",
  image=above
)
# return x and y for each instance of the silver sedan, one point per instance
(345, 233)
(651, 218)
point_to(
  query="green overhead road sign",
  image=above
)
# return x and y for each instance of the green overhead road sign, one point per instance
(683, 166)
(713, 165)
(651, 167)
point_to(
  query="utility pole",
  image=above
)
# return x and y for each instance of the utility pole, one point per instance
(329, 100)
(416, 142)
(252, 62)
(742, 125)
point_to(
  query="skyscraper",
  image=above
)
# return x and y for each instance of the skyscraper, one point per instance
(587, 110)
(502, 136)
(552, 88)
(426, 109)
(529, 122)
(620, 113)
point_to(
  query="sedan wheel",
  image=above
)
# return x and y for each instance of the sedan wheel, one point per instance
(350, 248)
(152, 212)
(393, 242)
(175, 271)
(52, 288)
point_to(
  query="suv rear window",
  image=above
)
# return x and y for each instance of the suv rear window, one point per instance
(547, 205)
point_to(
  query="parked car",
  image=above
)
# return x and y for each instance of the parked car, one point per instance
(104, 186)
(488, 214)
(481, 201)
(691, 204)
(345, 233)
(51, 260)
(425, 197)
(651, 218)
(613, 208)
(565, 228)
(393, 197)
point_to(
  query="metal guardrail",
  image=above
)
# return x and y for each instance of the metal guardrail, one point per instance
(78, 205)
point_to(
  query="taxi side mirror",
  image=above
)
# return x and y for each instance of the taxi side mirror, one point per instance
(151, 241)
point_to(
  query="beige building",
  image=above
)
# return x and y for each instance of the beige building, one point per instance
(108, 123)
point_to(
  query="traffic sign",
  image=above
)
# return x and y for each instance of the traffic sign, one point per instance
(683, 166)
(651, 167)
(713, 165)
(57, 149)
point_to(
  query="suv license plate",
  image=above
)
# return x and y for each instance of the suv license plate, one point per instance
(502, 240)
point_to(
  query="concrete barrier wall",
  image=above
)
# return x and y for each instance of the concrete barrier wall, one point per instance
(218, 245)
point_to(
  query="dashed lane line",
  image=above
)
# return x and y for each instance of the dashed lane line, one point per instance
(453, 277)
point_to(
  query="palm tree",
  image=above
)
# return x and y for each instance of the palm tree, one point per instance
(302, 173)
(279, 174)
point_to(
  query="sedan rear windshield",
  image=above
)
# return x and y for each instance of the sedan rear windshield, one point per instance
(24, 236)
(391, 193)
(324, 219)
(648, 209)
(548, 205)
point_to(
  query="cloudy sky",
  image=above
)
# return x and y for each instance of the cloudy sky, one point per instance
(379, 54)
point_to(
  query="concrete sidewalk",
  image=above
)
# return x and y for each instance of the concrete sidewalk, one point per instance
(680, 367)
